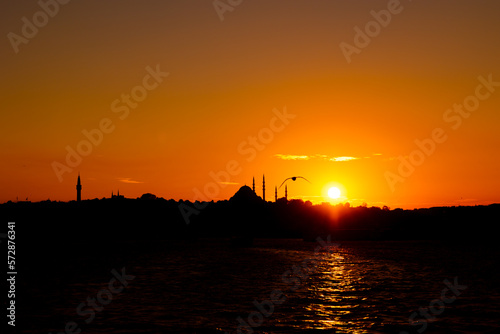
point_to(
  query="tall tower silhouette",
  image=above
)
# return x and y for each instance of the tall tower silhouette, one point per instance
(264, 187)
(275, 193)
(253, 187)
(78, 189)
(286, 192)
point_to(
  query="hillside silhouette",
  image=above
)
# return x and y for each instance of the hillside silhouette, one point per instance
(243, 215)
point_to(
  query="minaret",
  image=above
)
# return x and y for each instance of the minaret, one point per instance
(275, 193)
(286, 192)
(78, 189)
(253, 187)
(264, 187)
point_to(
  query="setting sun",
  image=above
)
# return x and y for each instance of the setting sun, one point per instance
(334, 192)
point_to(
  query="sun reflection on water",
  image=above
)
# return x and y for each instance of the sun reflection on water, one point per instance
(338, 289)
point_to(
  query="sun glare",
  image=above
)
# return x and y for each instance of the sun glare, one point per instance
(334, 192)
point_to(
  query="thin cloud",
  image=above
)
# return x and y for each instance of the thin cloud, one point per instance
(128, 180)
(229, 183)
(292, 157)
(337, 159)
(322, 156)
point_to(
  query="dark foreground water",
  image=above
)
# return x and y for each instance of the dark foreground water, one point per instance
(208, 286)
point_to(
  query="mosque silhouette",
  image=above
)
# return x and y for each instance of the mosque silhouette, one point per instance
(245, 193)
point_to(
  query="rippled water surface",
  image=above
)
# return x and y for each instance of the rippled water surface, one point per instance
(209, 286)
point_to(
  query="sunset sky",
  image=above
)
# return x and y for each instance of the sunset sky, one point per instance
(262, 87)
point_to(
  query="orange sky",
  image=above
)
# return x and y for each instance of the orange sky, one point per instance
(226, 81)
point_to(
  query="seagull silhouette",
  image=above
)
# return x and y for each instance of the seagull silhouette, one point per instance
(293, 178)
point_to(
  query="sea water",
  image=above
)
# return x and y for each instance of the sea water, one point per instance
(275, 286)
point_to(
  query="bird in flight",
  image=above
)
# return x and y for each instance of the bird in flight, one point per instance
(293, 178)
